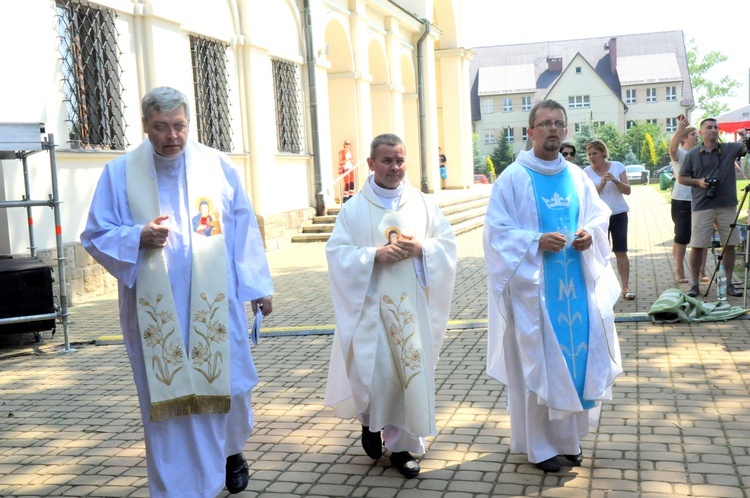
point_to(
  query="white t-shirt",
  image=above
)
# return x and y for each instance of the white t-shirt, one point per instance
(680, 192)
(610, 194)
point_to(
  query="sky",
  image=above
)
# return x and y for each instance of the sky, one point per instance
(502, 22)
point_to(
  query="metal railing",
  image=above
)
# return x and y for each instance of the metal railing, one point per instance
(335, 190)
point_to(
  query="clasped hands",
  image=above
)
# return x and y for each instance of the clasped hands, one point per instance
(555, 241)
(405, 247)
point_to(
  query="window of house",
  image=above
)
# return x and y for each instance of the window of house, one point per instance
(524, 134)
(489, 137)
(671, 93)
(525, 103)
(488, 106)
(629, 124)
(509, 134)
(671, 125)
(651, 121)
(577, 127)
(210, 81)
(579, 70)
(597, 124)
(630, 96)
(288, 106)
(578, 101)
(507, 104)
(650, 94)
(91, 75)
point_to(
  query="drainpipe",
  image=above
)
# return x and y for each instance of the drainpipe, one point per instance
(420, 97)
(320, 208)
(420, 94)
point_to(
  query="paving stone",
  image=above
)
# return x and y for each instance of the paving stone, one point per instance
(678, 424)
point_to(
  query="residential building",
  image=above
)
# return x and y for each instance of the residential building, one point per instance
(623, 80)
(278, 85)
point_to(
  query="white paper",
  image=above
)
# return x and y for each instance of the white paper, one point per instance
(255, 330)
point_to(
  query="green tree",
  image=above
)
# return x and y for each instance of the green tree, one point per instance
(648, 152)
(616, 143)
(490, 170)
(502, 155)
(662, 152)
(708, 92)
(637, 134)
(580, 140)
(478, 157)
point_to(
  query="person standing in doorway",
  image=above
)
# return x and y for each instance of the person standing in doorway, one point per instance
(443, 170)
(346, 166)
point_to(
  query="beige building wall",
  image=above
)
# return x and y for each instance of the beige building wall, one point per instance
(365, 78)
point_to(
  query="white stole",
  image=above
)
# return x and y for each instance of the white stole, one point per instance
(182, 384)
(398, 287)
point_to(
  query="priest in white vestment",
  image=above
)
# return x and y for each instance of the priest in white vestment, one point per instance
(172, 222)
(391, 268)
(551, 292)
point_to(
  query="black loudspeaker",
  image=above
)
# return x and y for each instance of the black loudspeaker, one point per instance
(26, 290)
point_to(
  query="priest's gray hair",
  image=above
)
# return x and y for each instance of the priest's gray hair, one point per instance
(388, 139)
(164, 99)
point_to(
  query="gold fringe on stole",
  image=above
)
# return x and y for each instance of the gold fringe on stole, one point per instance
(189, 405)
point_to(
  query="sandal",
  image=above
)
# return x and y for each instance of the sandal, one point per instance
(704, 279)
(680, 279)
(628, 295)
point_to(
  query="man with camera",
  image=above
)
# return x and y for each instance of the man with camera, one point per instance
(710, 170)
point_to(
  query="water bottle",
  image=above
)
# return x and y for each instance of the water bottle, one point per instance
(721, 285)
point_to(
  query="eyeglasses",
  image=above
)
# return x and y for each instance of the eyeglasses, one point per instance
(164, 127)
(348, 143)
(548, 124)
(566, 154)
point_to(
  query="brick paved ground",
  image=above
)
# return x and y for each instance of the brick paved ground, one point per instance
(679, 423)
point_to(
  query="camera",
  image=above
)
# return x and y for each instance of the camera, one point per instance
(712, 184)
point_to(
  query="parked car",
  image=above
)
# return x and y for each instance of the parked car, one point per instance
(479, 178)
(669, 168)
(637, 173)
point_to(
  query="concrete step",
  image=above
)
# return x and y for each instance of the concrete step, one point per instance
(318, 228)
(464, 214)
(311, 237)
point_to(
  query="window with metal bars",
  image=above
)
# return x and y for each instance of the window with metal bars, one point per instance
(91, 75)
(288, 107)
(210, 80)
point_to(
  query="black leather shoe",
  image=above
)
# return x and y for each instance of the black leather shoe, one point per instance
(549, 465)
(694, 291)
(238, 473)
(733, 291)
(576, 460)
(405, 463)
(372, 443)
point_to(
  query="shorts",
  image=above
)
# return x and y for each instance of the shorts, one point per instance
(681, 216)
(703, 227)
(618, 232)
(443, 173)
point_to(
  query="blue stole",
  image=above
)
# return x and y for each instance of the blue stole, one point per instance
(565, 292)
